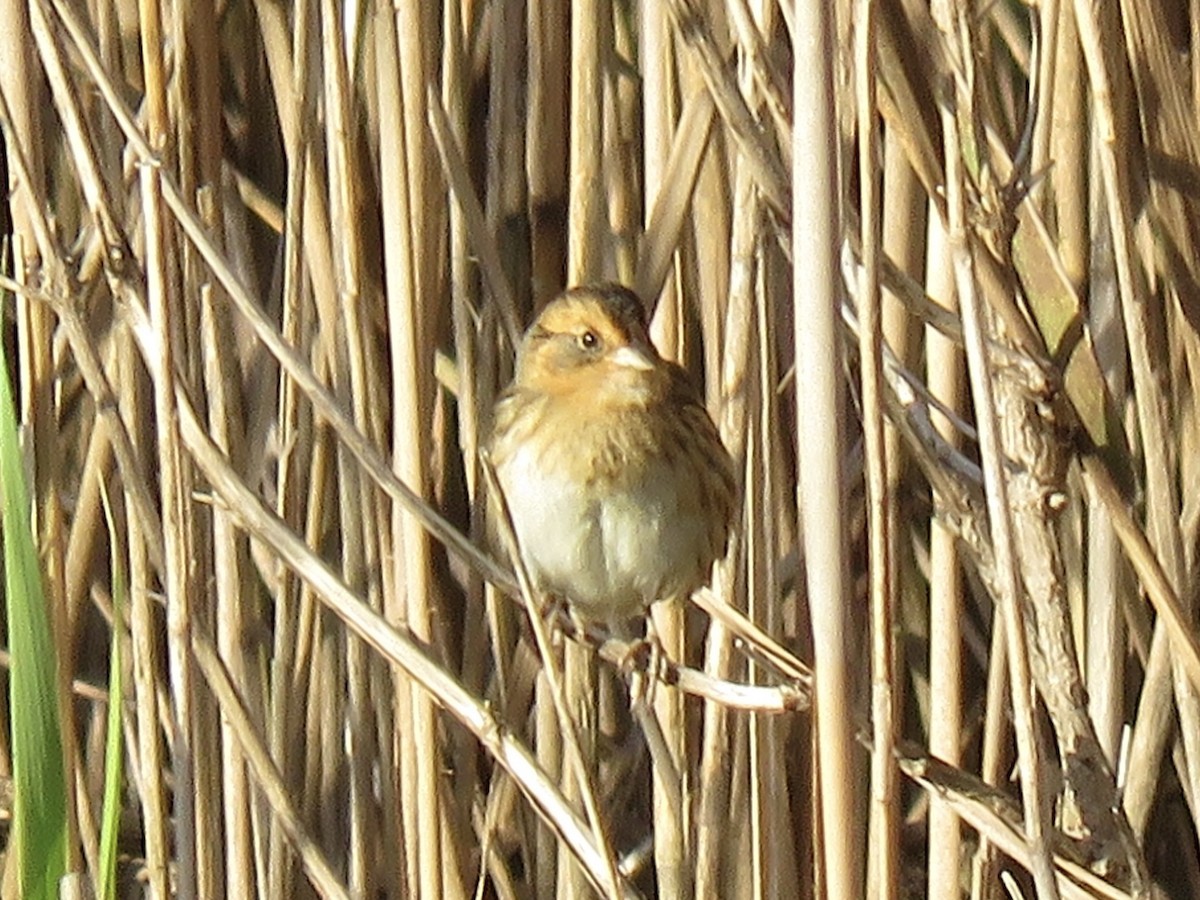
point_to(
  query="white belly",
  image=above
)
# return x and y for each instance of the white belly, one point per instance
(609, 552)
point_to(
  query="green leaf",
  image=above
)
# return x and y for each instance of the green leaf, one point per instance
(39, 779)
(114, 745)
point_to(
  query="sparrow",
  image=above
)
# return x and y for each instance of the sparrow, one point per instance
(620, 491)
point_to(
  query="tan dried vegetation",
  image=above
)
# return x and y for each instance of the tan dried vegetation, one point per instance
(937, 267)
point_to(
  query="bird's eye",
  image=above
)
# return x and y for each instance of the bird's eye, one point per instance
(589, 341)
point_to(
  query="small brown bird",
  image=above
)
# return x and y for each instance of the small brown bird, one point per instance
(620, 490)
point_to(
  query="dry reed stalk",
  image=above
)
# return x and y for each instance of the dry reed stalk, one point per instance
(591, 22)
(355, 504)
(287, 655)
(672, 855)
(944, 371)
(883, 878)
(1150, 731)
(722, 787)
(176, 483)
(822, 483)
(244, 729)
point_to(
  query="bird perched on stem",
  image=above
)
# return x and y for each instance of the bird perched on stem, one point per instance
(620, 490)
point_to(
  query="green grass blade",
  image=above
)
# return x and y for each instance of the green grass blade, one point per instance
(39, 782)
(113, 746)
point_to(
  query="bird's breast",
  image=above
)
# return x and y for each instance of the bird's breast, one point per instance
(610, 546)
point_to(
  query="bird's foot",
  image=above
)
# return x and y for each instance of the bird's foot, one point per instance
(643, 663)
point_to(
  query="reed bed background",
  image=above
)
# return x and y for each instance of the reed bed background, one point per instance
(936, 266)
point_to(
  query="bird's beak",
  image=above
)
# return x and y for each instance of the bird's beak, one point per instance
(632, 358)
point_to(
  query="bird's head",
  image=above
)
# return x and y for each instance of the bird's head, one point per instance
(590, 339)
